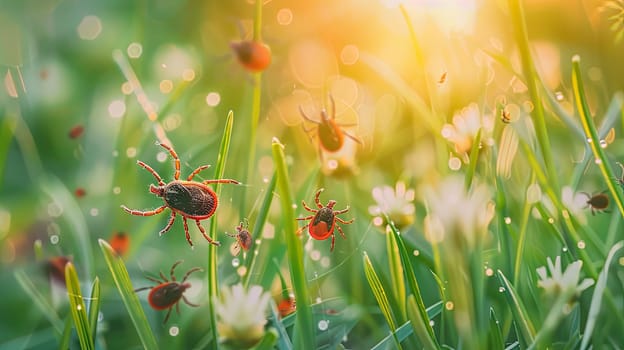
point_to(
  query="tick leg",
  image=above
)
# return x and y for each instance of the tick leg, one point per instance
(173, 269)
(317, 199)
(142, 289)
(189, 272)
(300, 230)
(210, 240)
(188, 302)
(306, 218)
(305, 206)
(220, 181)
(157, 281)
(352, 137)
(344, 222)
(196, 171)
(342, 211)
(341, 232)
(152, 171)
(168, 314)
(306, 117)
(143, 213)
(186, 231)
(169, 224)
(332, 244)
(175, 158)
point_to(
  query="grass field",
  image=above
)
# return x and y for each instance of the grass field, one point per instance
(458, 164)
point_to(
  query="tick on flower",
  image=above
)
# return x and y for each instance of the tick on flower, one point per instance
(167, 293)
(190, 199)
(597, 203)
(254, 56)
(243, 238)
(330, 133)
(323, 222)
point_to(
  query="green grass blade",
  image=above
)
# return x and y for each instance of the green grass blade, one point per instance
(420, 328)
(530, 76)
(66, 336)
(94, 306)
(495, 337)
(7, 128)
(263, 213)
(599, 290)
(396, 273)
(304, 326)
(213, 284)
(592, 134)
(39, 300)
(77, 308)
(120, 275)
(527, 330)
(268, 341)
(381, 296)
(413, 284)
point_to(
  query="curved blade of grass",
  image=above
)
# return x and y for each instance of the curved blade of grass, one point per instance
(213, 286)
(592, 134)
(270, 337)
(66, 337)
(420, 328)
(530, 76)
(303, 337)
(527, 330)
(599, 290)
(94, 306)
(495, 337)
(381, 296)
(120, 275)
(474, 159)
(77, 308)
(283, 338)
(396, 273)
(259, 226)
(411, 281)
(6, 132)
(39, 300)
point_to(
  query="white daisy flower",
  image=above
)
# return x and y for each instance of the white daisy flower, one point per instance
(397, 203)
(560, 282)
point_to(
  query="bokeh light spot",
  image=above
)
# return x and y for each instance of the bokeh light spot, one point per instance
(166, 86)
(117, 108)
(213, 99)
(89, 28)
(349, 54)
(284, 16)
(134, 50)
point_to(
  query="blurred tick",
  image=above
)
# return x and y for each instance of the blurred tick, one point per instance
(597, 202)
(243, 238)
(323, 222)
(254, 56)
(191, 199)
(330, 133)
(167, 294)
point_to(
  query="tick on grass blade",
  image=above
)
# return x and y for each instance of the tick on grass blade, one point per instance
(323, 222)
(167, 293)
(190, 199)
(243, 238)
(330, 133)
(597, 203)
(253, 55)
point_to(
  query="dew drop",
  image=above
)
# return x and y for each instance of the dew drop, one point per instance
(315, 255)
(597, 161)
(581, 244)
(621, 261)
(564, 249)
(94, 211)
(131, 152)
(551, 220)
(589, 140)
(603, 144)
(241, 271)
(507, 220)
(431, 323)
(489, 272)
(323, 325)
(377, 221)
(174, 331)
(54, 239)
(416, 252)
(100, 317)
(449, 305)
(501, 289)
(213, 99)
(235, 262)
(78, 307)
(559, 96)
(116, 190)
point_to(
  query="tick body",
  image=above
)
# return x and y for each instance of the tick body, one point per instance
(597, 202)
(189, 199)
(254, 56)
(330, 133)
(168, 293)
(323, 222)
(243, 238)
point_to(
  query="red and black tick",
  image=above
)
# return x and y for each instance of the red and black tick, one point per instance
(323, 222)
(243, 238)
(597, 203)
(253, 55)
(167, 294)
(191, 199)
(330, 133)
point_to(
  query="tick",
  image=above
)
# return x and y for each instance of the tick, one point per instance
(190, 199)
(167, 294)
(253, 55)
(243, 238)
(597, 202)
(330, 133)
(323, 222)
